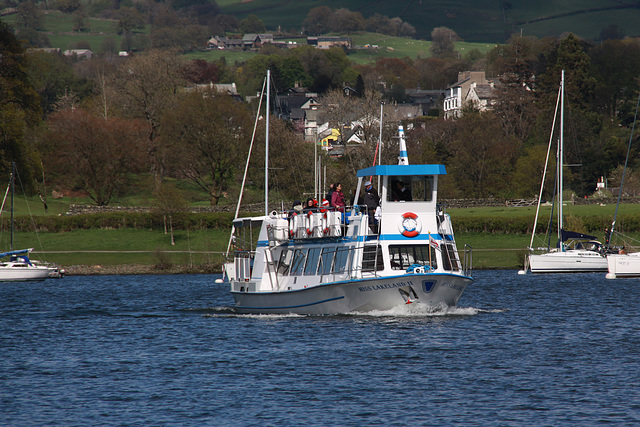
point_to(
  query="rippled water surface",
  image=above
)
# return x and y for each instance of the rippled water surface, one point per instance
(168, 350)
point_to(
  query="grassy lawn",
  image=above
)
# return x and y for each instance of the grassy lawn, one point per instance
(128, 246)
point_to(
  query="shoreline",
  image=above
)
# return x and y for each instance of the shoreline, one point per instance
(137, 269)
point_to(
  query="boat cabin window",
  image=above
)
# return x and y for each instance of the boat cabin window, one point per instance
(342, 259)
(326, 261)
(312, 262)
(404, 256)
(285, 261)
(298, 262)
(410, 189)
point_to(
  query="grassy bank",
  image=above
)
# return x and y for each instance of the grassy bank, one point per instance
(498, 235)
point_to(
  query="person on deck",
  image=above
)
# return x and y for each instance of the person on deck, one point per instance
(372, 201)
(337, 198)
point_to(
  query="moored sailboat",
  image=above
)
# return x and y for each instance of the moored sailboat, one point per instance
(19, 267)
(575, 252)
(623, 264)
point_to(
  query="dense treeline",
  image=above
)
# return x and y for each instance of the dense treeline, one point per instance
(96, 126)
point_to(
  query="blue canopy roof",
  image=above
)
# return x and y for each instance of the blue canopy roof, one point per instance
(403, 170)
(18, 252)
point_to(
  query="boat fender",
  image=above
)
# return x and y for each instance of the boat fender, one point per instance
(410, 225)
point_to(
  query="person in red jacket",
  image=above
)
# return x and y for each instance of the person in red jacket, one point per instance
(337, 198)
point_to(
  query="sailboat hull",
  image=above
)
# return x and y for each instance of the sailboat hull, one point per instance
(623, 265)
(9, 273)
(358, 296)
(572, 261)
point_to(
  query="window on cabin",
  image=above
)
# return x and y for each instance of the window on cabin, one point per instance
(312, 262)
(410, 189)
(326, 260)
(298, 262)
(342, 259)
(404, 256)
(285, 261)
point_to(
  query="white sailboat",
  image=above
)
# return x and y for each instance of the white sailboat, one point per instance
(575, 252)
(19, 267)
(623, 264)
(330, 262)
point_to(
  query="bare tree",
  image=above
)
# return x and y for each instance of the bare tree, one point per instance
(148, 85)
(96, 154)
(207, 135)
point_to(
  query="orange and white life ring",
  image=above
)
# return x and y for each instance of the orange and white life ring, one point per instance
(410, 224)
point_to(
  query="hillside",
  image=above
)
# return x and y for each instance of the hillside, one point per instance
(473, 20)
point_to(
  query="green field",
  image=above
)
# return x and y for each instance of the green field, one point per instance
(205, 247)
(473, 20)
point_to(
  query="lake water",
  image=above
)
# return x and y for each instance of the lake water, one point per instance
(167, 350)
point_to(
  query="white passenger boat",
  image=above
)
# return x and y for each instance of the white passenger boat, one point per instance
(575, 252)
(329, 262)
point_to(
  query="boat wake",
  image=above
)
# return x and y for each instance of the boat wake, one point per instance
(407, 310)
(421, 310)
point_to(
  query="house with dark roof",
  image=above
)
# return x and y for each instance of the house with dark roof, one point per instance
(472, 88)
(255, 41)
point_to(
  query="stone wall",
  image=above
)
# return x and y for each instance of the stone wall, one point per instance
(259, 207)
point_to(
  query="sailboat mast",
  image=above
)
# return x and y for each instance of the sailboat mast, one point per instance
(266, 148)
(560, 160)
(13, 190)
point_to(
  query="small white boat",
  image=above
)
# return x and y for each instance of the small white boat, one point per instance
(578, 256)
(575, 252)
(330, 262)
(20, 268)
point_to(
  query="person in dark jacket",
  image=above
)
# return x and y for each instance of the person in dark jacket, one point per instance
(372, 201)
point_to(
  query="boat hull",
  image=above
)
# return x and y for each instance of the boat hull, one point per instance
(358, 296)
(23, 274)
(568, 262)
(623, 266)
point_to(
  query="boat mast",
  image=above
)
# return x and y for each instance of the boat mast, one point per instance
(266, 149)
(13, 190)
(615, 215)
(560, 163)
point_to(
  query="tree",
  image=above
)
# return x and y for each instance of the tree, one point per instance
(52, 75)
(148, 85)
(29, 16)
(129, 20)
(616, 66)
(207, 135)
(93, 154)
(19, 107)
(484, 157)
(442, 39)
(252, 24)
(343, 20)
(317, 20)
(290, 175)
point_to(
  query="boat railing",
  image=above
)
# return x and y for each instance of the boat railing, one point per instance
(467, 260)
(311, 223)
